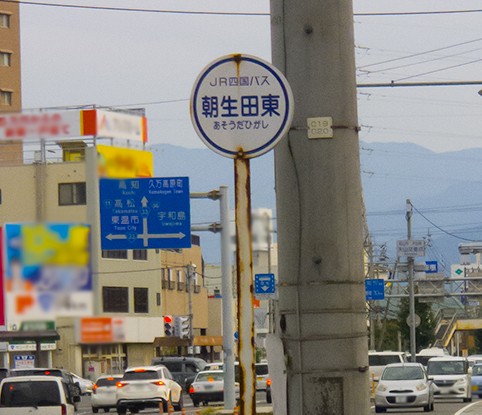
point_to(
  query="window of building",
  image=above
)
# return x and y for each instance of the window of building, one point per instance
(139, 254)
(170, 276)
(114, 253)
(141, 300)
(158, 299)
(4, 20)
(5, 58)
(165, 283)
(6, 97)
(0, 196)
(72, 194)
(180, 280)
(115, 299)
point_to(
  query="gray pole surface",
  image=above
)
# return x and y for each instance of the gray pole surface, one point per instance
(227, 287)
(321, 314)
(411, 289)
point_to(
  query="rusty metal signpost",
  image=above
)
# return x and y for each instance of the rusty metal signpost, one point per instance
(241, 106)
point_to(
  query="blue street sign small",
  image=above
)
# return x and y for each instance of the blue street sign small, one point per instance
(375, 289)
(145, 213)
(264, 285)
(432, 267)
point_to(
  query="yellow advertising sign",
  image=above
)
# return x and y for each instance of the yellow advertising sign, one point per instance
(124, 163)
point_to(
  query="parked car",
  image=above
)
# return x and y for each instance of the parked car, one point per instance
(148, 387)
(3, 372)
(208, 386)
(48, 395)
(85, 384)
(404, 385)
(268, 391)
(477, 380)
(451, 376)
(261, 375)
(104, 393)
(67, 377)
(183, 368)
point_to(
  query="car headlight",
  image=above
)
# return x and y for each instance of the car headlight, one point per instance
(460, 381)
(421, 386)
(381, 387)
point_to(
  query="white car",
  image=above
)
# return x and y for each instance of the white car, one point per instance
(41, 395)
(451, 376)
(404, 385)
(262, 375)
(148, 387)
(208, 386)
(86, 385)
(104, 393)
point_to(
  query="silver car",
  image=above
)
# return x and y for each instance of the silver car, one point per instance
(404, 385)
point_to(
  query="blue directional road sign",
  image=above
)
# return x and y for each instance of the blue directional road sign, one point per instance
(375, 289)
(264, 285)
(145, 213)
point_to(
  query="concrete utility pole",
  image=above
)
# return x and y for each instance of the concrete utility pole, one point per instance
(411, 289)
(321, 315)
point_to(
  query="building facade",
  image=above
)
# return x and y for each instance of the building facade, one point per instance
(10, 75)
(132, 289)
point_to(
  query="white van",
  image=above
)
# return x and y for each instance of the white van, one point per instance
(424, 355)
(378, 360)
(36, 395)
(451, 376)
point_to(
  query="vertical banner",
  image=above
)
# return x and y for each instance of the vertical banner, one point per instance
(2, 284)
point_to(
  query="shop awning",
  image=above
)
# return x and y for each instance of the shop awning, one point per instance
(37, 336)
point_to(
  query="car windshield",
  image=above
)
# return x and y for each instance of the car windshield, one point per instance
(209, 377)
(141, 375)
(383, 360)
(446, 368)
(18, 394)
(477, 371)
(107, 382)
(402, 373)
(261, 369)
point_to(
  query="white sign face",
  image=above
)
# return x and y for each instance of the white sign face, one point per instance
(241, 106)
(411, 248)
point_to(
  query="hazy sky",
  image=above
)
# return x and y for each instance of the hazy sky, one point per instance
(140, 59)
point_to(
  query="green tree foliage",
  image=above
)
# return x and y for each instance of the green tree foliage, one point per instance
(390, 335)
(425, 332)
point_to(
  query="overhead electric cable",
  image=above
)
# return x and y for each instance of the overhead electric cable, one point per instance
(420, 53)
(437, 70)
(441, 229)
(138, 10)
(127, 9)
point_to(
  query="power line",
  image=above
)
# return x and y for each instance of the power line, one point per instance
(137, 10)
(192, 12)
(420, 53)
(438, 70)
(441, 229)
(418, 13)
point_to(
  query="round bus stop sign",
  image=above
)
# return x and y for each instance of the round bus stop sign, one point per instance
(241, 106)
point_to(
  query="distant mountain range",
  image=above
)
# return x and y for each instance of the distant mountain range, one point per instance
(444, 188)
